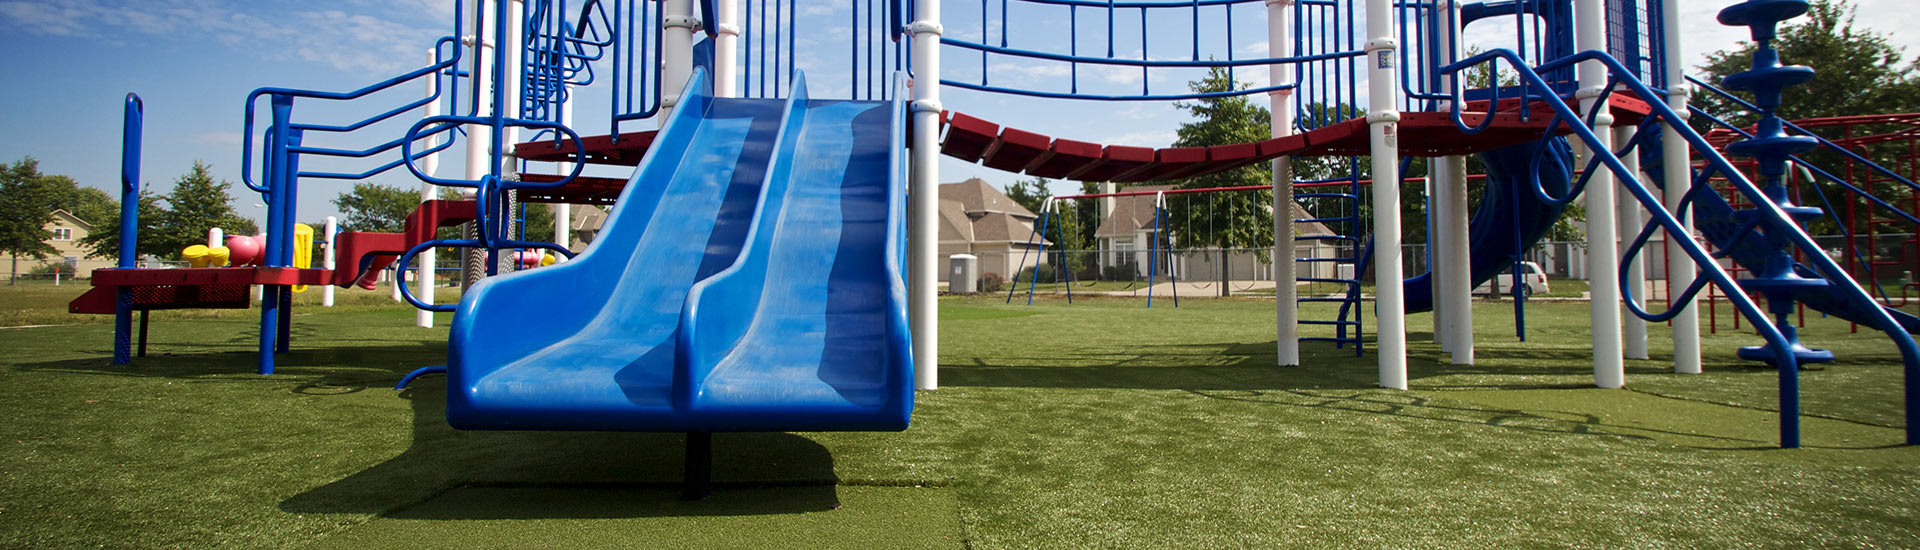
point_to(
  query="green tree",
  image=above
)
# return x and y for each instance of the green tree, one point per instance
(376, 208)
(1857, 72)
(26, 207)
(196, 203)
(1222, 121)
(104, 241)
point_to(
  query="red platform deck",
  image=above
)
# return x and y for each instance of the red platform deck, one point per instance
(192, 288)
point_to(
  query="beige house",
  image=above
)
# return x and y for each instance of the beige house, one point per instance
(64, 233)
(1125, 236)
(978, 219)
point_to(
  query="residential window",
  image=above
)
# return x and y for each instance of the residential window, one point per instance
(63, 233)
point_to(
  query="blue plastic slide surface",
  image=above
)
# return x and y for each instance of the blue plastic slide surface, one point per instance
(1510, 218)
(1713, 217)
(748, 280)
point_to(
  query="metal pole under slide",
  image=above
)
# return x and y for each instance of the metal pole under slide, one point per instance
(1628, 217)
(726, 49)
(1383, 119)
(479, 136)
(1453, 293)
(1286, 292)
(428, 191)
(1677, 163)
(923, 193)
(676, 52)
(1609, 364)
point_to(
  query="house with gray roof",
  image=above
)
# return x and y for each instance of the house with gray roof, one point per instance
(977, 218)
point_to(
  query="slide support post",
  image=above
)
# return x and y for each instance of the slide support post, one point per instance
(924, 195)
(1383, 118)
(1609, 363)
(1286, 291)
(428, 191)
(1677, 161)
(1455, 288)
(1633, 336)
(676, 51)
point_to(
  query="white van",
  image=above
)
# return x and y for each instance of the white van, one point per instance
(1534, 278)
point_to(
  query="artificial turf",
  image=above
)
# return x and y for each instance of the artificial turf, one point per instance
(1100, 424)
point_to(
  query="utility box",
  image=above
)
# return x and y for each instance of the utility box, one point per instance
(963, 274)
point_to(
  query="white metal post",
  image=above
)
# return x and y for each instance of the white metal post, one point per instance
(924, 194)
(676, 52)
(1609, 364)
(1455, 290)
(563, 212)
(480, 136)
(428, 191)
(726, 49)
(328, 231)
(1633, 334)
(1383, 118)
(1286, 292)
(1677, 162)
(1436, 273)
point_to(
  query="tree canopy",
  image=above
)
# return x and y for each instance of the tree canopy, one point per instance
(197, 203)
(1222, 121)
(375, 207)
(26, 207)
(1856, 70)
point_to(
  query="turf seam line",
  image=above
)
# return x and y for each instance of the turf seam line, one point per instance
(1765, 410)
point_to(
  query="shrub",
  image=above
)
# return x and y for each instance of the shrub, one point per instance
(991, 282)
(1122, 272)
(1026, 276)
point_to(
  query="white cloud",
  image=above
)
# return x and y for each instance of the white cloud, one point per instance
(1147, 138)
(345, 41)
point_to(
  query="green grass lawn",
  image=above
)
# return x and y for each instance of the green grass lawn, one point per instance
(1100, 424)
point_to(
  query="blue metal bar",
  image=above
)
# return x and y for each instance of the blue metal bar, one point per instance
(1779, 223)
(1146, 62)
(1045, 217)
(419, 372)
(1058, 95)
(246, 158)
(1823, 173)
(131, 123)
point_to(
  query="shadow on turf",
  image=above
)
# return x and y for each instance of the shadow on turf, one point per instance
(312, 371)
(1338, 381)
(452, 474)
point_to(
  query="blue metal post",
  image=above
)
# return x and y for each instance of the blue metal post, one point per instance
(278, 173)
(1045, 216)
(129, 225)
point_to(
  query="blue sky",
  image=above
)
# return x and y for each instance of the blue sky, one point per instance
(69, 63)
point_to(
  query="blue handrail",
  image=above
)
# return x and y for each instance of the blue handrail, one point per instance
(246, 158)
(1777, 222)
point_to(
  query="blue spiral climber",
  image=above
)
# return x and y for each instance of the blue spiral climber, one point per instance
(1769, 147)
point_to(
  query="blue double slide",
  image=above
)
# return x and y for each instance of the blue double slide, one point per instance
(749, 280)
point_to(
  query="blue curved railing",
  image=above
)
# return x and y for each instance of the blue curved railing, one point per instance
(1769, 217)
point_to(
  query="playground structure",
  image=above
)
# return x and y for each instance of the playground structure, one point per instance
(707, 325)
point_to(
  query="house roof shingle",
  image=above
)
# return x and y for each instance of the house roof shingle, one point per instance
(976, 196)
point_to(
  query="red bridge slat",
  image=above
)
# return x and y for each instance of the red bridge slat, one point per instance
(1064, 158)
(1172, 162)
(1015, 149)
(968, 138)
(1116, 160)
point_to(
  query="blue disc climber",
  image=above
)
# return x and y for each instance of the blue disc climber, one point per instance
(1769, 147)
